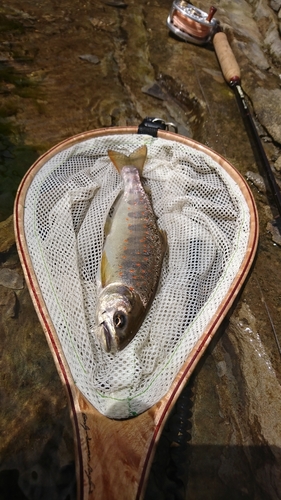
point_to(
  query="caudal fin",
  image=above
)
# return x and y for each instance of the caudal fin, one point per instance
(136, 159)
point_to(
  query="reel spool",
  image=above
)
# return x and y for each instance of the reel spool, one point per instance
(192, 24)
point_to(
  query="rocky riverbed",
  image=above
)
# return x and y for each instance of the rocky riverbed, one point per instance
(67, 67)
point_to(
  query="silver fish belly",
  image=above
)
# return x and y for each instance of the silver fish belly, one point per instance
(131, 260)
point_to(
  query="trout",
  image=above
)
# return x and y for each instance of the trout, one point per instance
(132, 257)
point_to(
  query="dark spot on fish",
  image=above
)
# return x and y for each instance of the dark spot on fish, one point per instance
(135, 227)
(132, 240)
(136, 215)
(126, 253)
(133, 201)
(138, 264)
(142, 264)
(131, 261)
(144, 250)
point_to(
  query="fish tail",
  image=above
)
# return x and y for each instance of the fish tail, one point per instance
(136, 159)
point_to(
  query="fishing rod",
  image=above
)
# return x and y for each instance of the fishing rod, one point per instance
(231, 72)
(198, 27)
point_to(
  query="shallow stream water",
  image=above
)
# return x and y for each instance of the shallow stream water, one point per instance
(67, 67)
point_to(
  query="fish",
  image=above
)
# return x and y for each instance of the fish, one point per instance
(132, 257)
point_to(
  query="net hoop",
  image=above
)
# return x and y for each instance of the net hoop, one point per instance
(126, 404)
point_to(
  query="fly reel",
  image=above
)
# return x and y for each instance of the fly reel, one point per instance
(192, 24)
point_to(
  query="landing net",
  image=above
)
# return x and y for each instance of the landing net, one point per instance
(207, 221)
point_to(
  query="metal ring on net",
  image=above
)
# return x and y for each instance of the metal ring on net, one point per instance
(119, 404)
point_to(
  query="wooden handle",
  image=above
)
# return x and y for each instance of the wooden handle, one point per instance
(211, 13)
(228, 63)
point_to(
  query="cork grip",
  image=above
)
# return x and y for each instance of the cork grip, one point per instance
(228, 63)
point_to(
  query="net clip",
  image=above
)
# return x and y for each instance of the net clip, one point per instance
(151, 126)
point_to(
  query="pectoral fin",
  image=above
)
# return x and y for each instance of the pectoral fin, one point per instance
(105, 270)
(164, 239)
(110, 216)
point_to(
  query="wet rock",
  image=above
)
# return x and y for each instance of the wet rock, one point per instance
(277, 164)
(257, 180)
(7, 302)
(262, 387)
(116, 3)
(22, 14)
(7, 154)
(252, 50)
(246, 409)
(216, 75)
(112, 111)
(268, 26)
(245, 42)
(90, 58)
(275, 230)
(4, 58)
(267, 104)
(104, 24)
(7, 235)
(154, 90)
(11, 279)
(34, 408)
(52, 474)
(275, 5)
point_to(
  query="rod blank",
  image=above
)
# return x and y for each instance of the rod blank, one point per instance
(232, 75)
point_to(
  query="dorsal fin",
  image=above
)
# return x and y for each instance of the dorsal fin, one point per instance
(136, 159)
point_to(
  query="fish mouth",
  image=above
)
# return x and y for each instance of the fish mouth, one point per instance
(109, 341)
(107, 338)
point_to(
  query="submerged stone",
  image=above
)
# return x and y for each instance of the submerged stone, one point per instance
(90, 58)
(11, 279)
(267, 105)
(7, 235)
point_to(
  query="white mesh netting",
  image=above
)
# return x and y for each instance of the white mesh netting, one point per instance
(206, 218)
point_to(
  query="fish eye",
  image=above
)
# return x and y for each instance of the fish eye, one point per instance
(119, 319)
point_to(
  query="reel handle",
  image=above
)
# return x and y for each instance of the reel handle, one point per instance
(228, 63)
